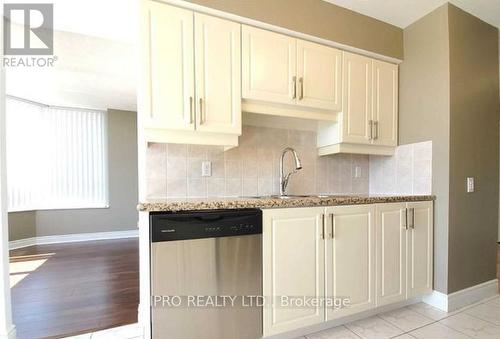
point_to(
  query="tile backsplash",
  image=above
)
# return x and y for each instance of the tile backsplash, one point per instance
(409, 171)
(252, 168)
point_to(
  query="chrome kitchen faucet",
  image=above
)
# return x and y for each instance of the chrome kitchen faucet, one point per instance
(284, 178)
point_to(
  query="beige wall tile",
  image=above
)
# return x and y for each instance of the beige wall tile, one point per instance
(216, 187)
(176, 167)
(250, 187)
(233, 187)
(194, 168)
(252, 168)
(177, 187)
(177, 150)
(197, 188)
(409, 171)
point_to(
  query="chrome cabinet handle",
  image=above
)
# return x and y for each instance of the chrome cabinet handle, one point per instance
(370, 126)
(294, 87)
(202, 115)
(412, 218)
(406, 219)
(375, 125)
(323, 226)
(301, 83)
(190, 110)
(331, 219)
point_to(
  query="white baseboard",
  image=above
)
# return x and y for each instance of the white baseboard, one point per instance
(14, 244)
(67, 238)
(456, 300)
(9, 333)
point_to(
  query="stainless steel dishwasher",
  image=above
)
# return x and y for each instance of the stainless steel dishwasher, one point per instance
(203, 254)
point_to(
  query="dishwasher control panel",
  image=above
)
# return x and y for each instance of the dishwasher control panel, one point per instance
(204, 224)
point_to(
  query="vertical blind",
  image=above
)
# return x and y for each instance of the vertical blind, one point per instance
(56, 157)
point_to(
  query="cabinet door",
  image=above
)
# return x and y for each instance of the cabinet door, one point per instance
(169, 62)
(293, 256)
(319, 76)
(420, 250)
(218, 75)
(350, 258)
(357, 105)
(385, 103)
(268, 66)
(390, 246)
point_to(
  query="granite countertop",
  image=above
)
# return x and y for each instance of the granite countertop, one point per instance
(191, 204)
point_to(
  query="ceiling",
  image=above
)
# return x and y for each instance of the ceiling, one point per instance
(402, 13)
(90, 72)
(94, 42)
(109, 19)
(117, 19)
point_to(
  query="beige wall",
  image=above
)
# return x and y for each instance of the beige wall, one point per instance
(449, 94)
(424, 115)
(473, 150)
(123, 196)
(22, 225)
(320, 19)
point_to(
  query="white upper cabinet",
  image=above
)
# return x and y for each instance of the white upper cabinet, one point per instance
(218, 74)
(169, 59)
(350, 258)
(191, 79)
(385, 103)
(390, 234)
(293, 265)
(319, 76)
(357, 113)
(200, 72)
(368, 123)
(268, 66)
(278, 69)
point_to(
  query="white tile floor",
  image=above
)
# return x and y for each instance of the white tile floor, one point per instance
(132, 331)
(481, 320)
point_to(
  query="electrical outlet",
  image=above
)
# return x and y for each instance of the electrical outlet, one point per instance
(470, 185)
(206, 169)
(357, 172)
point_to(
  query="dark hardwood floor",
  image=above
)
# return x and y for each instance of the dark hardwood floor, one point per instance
(69, 289)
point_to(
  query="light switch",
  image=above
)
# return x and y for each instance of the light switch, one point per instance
(206, 169)
(470, 185)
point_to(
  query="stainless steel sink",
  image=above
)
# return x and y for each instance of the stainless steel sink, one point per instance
(278, 197)
(286, 197)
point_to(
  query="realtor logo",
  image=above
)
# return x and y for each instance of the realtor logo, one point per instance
(37, 35)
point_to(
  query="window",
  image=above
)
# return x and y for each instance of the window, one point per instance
(56, 157)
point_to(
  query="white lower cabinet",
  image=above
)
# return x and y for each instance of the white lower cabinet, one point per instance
(390, 246)
(294, 260)
(350, 258)
(420, 248)
(404, 251)
(371, 255)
